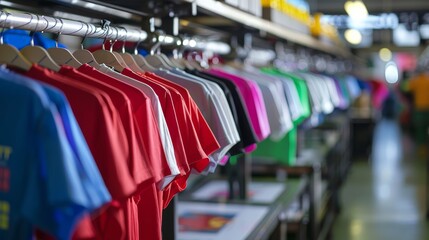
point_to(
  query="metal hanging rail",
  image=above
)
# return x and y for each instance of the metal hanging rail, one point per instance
(38, 23)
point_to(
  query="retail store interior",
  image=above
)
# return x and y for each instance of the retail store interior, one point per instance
(214, 119)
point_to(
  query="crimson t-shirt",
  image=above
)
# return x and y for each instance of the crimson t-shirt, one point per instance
(146, 126)
(171, 118)
(146, 203)
(104, 133)
(205, 134)
(138, 159)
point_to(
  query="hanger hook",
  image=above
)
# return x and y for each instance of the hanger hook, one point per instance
(179, 49)
(105, 24)
(4, 26)
(105, 39)
(86, 34)
(34, 31)
(125, 39)
(136, 51)
(47, 24)
(157, 45)
(59, 31)
(115, 40)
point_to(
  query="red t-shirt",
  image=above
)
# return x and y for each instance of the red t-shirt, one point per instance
(138, 159)
(196, 156)
(146, 204)
(205, 134)
(171, 119)
(146, 126)
(145, 169)
(104, 133)
(181, 131)
(101, 126)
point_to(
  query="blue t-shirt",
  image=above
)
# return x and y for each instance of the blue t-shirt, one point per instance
(39, 181)
(21, 38)
(90, 176)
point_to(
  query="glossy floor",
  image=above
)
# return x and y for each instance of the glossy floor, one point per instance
(384, 198)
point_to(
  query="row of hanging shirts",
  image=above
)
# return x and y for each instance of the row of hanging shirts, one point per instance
(53, 57)
(146, 123)
(106, 166)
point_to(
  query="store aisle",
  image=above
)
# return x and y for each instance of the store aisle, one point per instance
(383, 199)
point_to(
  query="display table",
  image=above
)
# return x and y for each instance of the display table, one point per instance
(204, 212)
(324, 161)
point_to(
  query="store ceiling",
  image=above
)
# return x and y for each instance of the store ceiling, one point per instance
(373, 6)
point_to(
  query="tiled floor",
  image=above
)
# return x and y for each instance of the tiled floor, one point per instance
(384, 198)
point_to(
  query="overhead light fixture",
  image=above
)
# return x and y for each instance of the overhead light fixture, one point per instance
(391, 73)
(353, 36)
(356, 9)
(385, 54)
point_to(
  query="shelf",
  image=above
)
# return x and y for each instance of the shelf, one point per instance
(224, 10)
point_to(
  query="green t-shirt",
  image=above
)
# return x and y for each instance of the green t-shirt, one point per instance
(284, 150)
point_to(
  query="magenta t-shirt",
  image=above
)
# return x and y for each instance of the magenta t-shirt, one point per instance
(253, 100)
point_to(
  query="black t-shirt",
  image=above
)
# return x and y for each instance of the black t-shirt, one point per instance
(236, 103)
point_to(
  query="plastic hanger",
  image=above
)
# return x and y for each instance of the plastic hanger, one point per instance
(10, 55)
(178, 63)
(141, 61)
(118, 56)
(155, 59)
(37, 54)
(193, 64)
(177, 57)
(107, 57)
(63, 56)
(83, 55)
(129, 60)
(167, 60)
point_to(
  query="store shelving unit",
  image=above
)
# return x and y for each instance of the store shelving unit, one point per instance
(212, 7)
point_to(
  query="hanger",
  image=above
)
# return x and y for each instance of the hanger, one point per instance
(107, 57)
(37, 54)
(141, 61)
(118, 56)
(83, 55)
(167, 60)
(129, 60)
(177, 57)
(62, 56)
(177, 54)
(155, 59)
(193, 64)
(10, 54)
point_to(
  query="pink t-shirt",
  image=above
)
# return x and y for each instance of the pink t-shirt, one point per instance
(253, 100)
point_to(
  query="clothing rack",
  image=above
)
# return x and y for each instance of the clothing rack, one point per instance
(40, 23)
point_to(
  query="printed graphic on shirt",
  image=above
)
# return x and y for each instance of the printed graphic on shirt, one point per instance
(5, 152)
(204, 222)
(4, 179)
(4, 215)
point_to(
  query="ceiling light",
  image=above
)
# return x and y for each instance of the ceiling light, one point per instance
(353, 36)
(385, 54)
(391, 73)
(356, 9)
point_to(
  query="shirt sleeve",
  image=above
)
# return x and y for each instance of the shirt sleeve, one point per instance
(55, 198)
